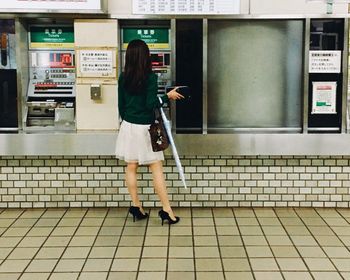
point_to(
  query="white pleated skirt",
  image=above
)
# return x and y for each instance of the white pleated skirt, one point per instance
(134, 144)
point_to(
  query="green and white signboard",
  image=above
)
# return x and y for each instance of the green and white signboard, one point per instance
(51, 37)
(155, 38)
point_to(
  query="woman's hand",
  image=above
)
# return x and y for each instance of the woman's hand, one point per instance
(174, 95)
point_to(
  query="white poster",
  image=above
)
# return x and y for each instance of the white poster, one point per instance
(324, 97)
(324, 61)
(187, 7)
(51, 4)
(96, 62)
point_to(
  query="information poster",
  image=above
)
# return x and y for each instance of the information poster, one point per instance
(96, 63)
(155, 38)
(53, 37)
(187, 7)
(324, 97)
(51, 4)
(325, 62)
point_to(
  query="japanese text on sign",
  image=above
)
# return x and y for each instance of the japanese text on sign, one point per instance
(324, 97)
(96, 62)
(325, 62)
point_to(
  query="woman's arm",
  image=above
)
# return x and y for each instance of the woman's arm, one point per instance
(121, 102)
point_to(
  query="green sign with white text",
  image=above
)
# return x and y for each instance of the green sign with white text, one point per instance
(155, 38)
(57, 37)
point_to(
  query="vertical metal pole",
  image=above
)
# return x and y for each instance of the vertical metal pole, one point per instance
(19, 30)
(205, 76)
(173, 69)
(345, 119)
(306, 75)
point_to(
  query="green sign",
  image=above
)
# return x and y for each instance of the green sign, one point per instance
(60, 37)
(155, 38)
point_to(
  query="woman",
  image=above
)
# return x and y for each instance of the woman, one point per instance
(137, 99)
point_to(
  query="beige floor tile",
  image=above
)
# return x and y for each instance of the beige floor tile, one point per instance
(128, 252)
(201, 213)
(268, 275)
(328, 241)
(311, 252)
(75, 213)
(314, 221)
(247, 221)
(23, 253)
(269, 221)
(285, 212)
(232, 240)
(134, 231)
(176, 275)
(50, 222)
(206, 252)
(76, 253)
(40, 231)
(254, 241)
(30, 242)
(70, 265)
(41, 266)
(122, 276)
(291, 264)
(9, 276)
(342, 265)
(327, 212)
(54, 213)
(273, 230)
(131, 241)
(57, 241)
(198, 231)
(160, 240)
(346, 275)
(233, 252)
(299, 240)
(337, 252)
(64, 275)
(327, 275)
(238, 275)
(203, 222)
(264, 212)
(185, 231)
(180, 265)
(102, 252)
(159, 231)
(154, 252)
(91, 222)
(9, 241)
(4, 252)
(82, 241)
(336, 221)
(205, 241)
(114, 231)
(259, 251)
(284, 251)
(151, 276)
(345, 240)
(6, 222)
(97, 265)
(341, 230)
(294, 221)
(243, 212)
(15, 213)
(24, 223)
(263, 264)
(125, 265)
(209, 275)
(279, 240)
(180, 241)
(13, 266)
(63, 231)
(239, 264)
(13, 231)
(208, 264)
(222, 212)
(87, 231)
(227, 230)
(225, 222)
(107, 241)
(320, 230)
(118, 222)
(250, 230)
(93, 276)
(50, 253)
(96, 213)
(181, 252)
(319, 264)
(158, 264)
(69, 222)
(292, 275)
(35, 276)
(306, 212)
(297, 230)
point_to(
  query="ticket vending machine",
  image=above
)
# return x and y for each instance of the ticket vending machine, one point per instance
(51, 90)
(8, 77)
(158, 41)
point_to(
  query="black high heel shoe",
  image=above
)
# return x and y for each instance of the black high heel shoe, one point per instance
(136, 213)
(165, 216)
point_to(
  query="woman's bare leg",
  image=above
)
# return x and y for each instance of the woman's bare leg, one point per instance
(131, 182)
(160, 187)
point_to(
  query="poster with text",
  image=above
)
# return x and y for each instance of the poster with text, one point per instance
(324, 97)
(324, 61)
(51, 4)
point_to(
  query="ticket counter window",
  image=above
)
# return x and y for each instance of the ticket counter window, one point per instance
(255, 71)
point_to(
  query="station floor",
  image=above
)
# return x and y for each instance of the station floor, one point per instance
(208, 243)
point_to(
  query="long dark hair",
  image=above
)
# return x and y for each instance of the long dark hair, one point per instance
(137, 66)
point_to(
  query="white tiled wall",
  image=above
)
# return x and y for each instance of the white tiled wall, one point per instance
(212, 181)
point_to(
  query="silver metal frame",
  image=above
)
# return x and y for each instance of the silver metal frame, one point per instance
(306, 75)
(205, 76)
(345, 62)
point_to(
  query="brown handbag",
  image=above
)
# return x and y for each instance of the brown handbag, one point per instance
(159, 136)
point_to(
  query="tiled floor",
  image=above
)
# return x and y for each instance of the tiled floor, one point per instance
(243, 243)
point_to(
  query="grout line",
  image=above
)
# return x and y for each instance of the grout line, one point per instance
(218, 245)
(193, 245)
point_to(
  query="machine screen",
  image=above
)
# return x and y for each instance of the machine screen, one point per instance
(53, 60)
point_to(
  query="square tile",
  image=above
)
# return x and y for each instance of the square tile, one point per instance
(122, 275)
(259, 252)
(181, 265)
(206, 252)
(102, 252)
(292, 275)
(93, 276)
(284, 251)
(291, 264)
(23, 253)
(76, 253)
(36, 276)
(151, 275)
(9, 266)
(154, 252)
(209, 275)
(319, 264)
(268, 275)
(320, 275)
(236, 264)
(50, 253)
(311, 252)
(97, 265)
(41, 266)
(238, 275)
(263, 264)
(64, 275)
(128, 252)
(208, 264)
(176, 275)
(70, 265)
(125, 265)
(153, 264)
(233, 252)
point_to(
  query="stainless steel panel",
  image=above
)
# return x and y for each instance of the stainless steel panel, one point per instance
(205, 76)
(255, 73)
(306, 75)
(345, 64)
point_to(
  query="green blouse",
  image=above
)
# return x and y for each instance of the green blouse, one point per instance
(139, 109)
